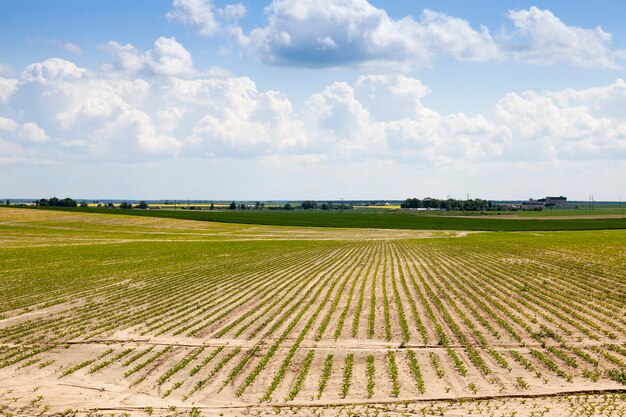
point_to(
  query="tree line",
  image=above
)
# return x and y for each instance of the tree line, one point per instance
(305, 205)
(56, 202)
(475, 204)
(70, 202)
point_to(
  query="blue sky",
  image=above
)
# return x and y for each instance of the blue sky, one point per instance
(312, 99)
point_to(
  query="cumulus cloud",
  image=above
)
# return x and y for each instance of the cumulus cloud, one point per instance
(26, 133)
(342, 123)
(204, 17)
(391, 97)
(52, 71)
(340, 33)
(8, 125)
(7, 86)
(76, 112)
(167, 57)
(31, 132)
(355, 119)
(567, 124)
(542, 38)
(140, 113)
(239, 120)
(346, 32)
(150, 110)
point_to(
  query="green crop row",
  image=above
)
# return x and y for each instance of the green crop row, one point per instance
(304, 370)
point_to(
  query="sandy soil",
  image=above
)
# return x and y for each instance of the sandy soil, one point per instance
(91, 354)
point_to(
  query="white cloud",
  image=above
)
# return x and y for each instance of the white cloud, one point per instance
(8, 125)
(7, 86)
(240, 120)
(12, 152)
(567, 124)
(145, 111)
(72, 48)
(351, 120)
(391, 97)
(204, 17)
(382, 116)
(342, 123)
(10, 130)
(453, 36)
(31, 132)
(168, 57)
(233, 12)
(542, 38)
(353, 32)
(78, 112)
(113, 135)
(69, 47)
(340, 33)
(133, 114)
(199, 14)
(51, 71)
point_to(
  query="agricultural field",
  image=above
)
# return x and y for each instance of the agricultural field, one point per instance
(106, 314)
(367, 219)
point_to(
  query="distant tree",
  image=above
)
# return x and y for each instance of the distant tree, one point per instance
(84, 204)
(411, 203)
(257, 205)
(126, 205)
(8, 202)
(456, 205)
(110, 205)
(309, 205)
(475, 205)
(232, 206)
(55, 202)
(212, 207)
(431, 203)
(242, 206)
(288, 206)
(143, 205)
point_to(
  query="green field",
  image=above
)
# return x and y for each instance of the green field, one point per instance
(367, 219)
(614, 210)
(131, 313)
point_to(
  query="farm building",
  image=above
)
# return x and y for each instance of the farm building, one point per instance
(556, 202)
(545, 203)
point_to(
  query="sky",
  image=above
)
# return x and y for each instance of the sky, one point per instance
(312, 99)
